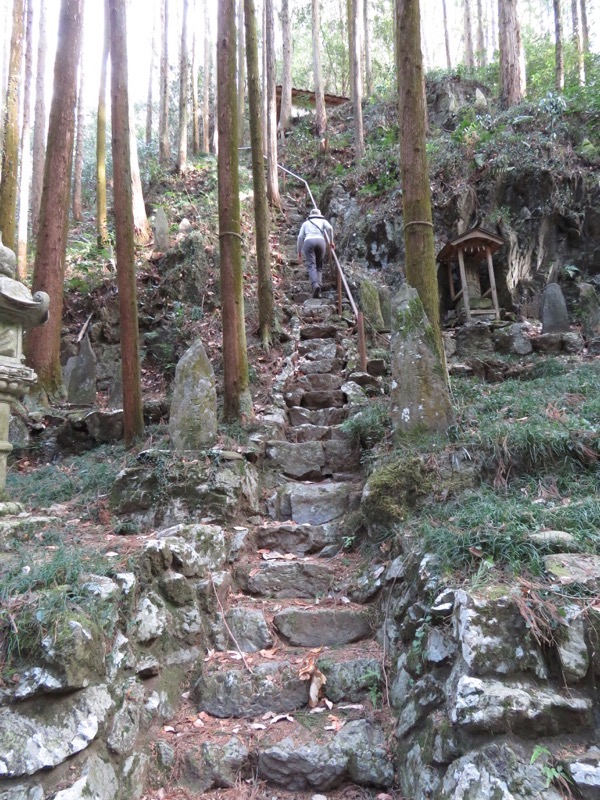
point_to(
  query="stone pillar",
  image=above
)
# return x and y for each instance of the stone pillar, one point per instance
(19, 309)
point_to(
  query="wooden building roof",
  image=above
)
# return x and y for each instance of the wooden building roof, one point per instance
(475, 240)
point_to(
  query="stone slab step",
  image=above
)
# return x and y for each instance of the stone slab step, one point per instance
(324, 330)
(319, 382)
(287, 579)
(318, 349)
(318, 416)
(321, 365)
(329, 627)
(299, 540)
(316, 504)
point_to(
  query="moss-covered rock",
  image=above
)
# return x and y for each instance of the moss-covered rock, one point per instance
(395, 488)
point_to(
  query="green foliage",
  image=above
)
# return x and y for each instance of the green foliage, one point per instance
(553, 773)
(80, 478)
(369, 426)
(35, 599)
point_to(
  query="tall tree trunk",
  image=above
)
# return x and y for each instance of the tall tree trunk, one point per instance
(142, 230)
(512, 72)
(149, 98)
(577, 42)
(101, 208)
(25, 154)
(320, 111)
(241, 71)
(10, 149)
(367, 50)
(420, 264)
(354, 7)
(585, 31)
(194, 88)
(235, 365)
(164, 145)
(481, 53)
(78, 166)
(39, 122)
(43, 343)
(446, 36)
(285, 113)
(206, 83)
(184, 88)
(133, 419)
(559, 60)
(468, 34)
(271, 86)
(261, 208)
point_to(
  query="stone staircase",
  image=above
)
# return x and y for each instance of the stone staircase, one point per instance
(292, 692)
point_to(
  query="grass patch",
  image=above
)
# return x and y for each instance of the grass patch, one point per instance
(80, 478)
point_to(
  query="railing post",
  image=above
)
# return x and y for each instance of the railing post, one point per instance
(339, 291)
(362, 344)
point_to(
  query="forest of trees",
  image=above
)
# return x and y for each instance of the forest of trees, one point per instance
(185, 95)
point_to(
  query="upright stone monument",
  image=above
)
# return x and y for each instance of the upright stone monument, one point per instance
(161, 231)
(19, 309)
(555, 318)
(419, 394)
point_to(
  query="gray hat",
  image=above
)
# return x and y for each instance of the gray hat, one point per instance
(314, 213)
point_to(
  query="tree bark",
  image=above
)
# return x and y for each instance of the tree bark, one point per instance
(10, 149)
(320, 111)
(235, 365)
(133, 419)
(101, 207)
(367, 50)
(446, 36)
(481, 53)
(354, 15)
(164, 145)
(39, 122)
(142, 230)
(271, 91)
(206, 83)
(194, 88)
(585, 31)
(43, 343)
(25, 154)
(512, 70)
(416, 193)
(78, 166)
(559, 60)
(241, 71)
(184, 88)
(285, 113)
(468, 34)
(149, 98)
(261, 208)
(577, 42)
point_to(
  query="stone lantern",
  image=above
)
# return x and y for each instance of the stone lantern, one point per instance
(19, 309)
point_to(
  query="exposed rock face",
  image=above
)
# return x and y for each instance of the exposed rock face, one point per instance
(419, 393)
(193, 418)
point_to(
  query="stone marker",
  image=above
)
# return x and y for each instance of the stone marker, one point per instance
(555, 318)
(419, 393)
(161, 231)
(193, 418)
(80, 376)
(18, 310)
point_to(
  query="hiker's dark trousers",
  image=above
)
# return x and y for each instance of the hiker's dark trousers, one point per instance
(313, 251)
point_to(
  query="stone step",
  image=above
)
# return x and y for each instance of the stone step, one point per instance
(289, 579)
(314, 460)
(324, 627)
(317, 416)
(315, 330)
(316, 504)
(330, 398)
(299, 540)
(321, 364)
(319, 349)
(320, 382)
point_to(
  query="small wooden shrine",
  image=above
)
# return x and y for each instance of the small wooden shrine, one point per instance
(469, 250)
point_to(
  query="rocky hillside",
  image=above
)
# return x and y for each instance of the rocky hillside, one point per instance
(314, 606)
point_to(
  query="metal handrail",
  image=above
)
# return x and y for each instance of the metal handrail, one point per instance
(341, 282)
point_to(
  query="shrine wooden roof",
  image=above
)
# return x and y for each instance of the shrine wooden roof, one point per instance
(476, 240)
